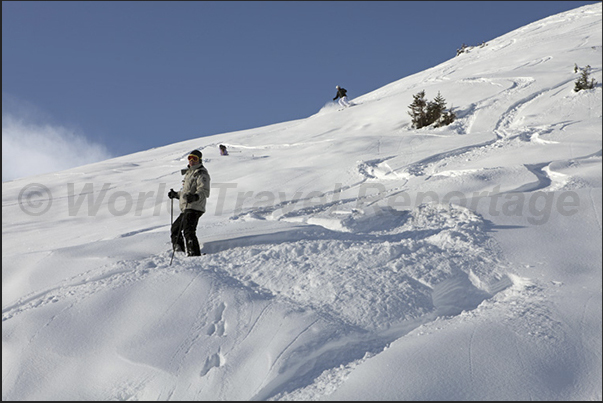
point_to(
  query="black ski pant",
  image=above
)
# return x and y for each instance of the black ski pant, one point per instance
(186, 224)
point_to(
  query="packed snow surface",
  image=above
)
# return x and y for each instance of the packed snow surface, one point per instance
(348, 255)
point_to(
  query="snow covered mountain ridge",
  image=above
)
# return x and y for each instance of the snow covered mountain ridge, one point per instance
(349, 256)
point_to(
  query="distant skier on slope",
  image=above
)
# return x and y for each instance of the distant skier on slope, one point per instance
(343, 98)
(223, 150)
(192, 196)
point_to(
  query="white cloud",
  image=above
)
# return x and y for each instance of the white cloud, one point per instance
(36, 148)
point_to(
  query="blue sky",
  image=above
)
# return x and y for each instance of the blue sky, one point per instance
(130, 76)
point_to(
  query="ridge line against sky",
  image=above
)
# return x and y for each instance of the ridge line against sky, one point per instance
(87, 81)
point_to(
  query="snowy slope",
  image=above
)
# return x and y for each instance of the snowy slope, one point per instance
(349, 256)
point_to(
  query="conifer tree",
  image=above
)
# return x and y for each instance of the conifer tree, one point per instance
(425, 113)
(447, 118)
(417, 110)
(583, 83)
(435, 109)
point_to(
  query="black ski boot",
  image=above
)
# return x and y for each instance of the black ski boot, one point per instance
(192, 247)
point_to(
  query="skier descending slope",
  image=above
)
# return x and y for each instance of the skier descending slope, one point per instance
(192, 196)
(343, 98)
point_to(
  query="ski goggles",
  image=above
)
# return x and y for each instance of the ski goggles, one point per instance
(193, 158)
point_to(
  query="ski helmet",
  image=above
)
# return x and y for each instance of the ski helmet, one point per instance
(337, 87)
(196, 153)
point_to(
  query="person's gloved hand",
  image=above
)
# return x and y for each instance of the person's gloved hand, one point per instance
(172, 194)
(191, 197)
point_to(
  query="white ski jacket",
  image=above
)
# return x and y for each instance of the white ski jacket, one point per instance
(196, 181)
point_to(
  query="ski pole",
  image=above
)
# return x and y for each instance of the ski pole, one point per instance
(171, 224)
(172, 211)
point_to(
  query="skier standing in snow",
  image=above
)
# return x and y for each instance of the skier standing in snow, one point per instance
(192, 196)
(343, 98)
